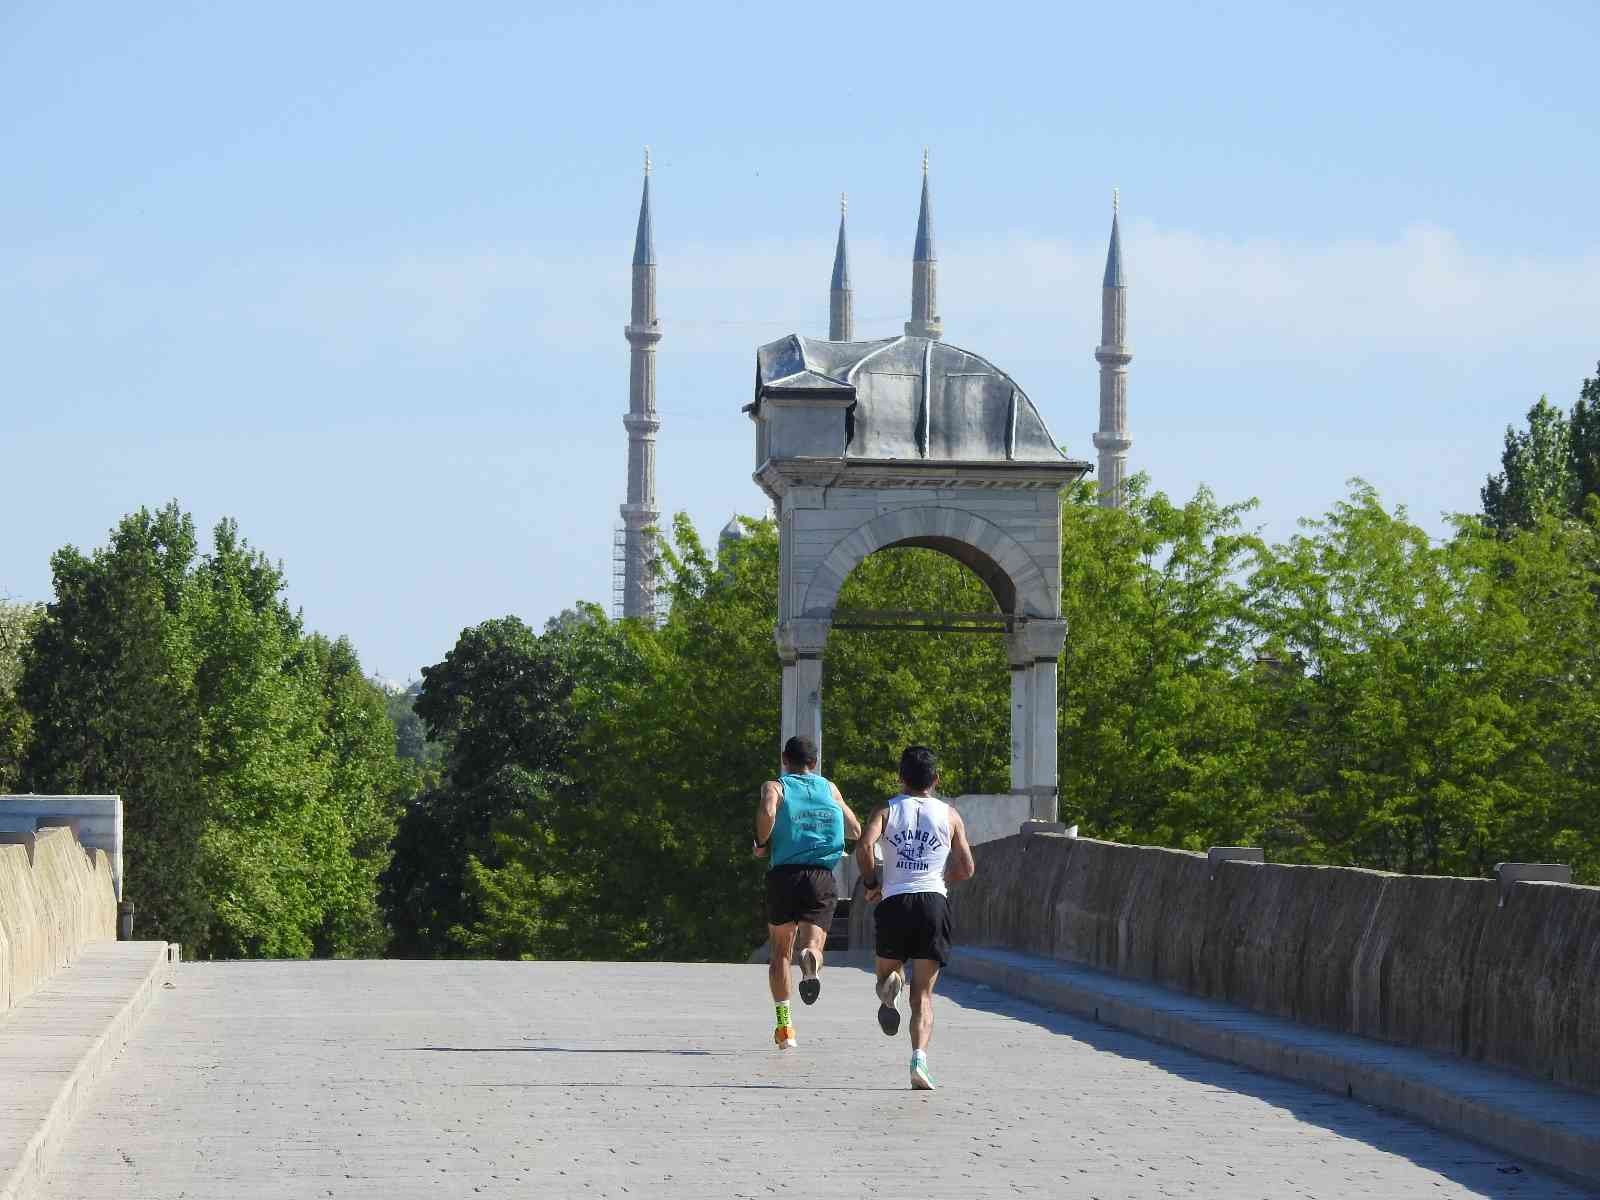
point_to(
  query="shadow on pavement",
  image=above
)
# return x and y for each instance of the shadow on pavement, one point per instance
(1486, 1171)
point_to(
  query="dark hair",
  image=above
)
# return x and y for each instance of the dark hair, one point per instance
(800, 752)
(918, 767)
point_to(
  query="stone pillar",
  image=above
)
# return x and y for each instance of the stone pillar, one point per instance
(791, 701)
(1046, 781)
(1034, 649)
(808, 708)
(1021, 727)
(800, 646)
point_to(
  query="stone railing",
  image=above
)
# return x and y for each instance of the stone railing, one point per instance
(55, 898)
(1503, 974)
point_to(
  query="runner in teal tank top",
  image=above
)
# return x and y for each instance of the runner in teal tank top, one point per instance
(801, 825)
(809, 831)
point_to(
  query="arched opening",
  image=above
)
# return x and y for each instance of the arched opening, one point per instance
(991, 573)
(903, 676)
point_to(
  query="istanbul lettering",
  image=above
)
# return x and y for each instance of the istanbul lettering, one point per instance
(912, 847)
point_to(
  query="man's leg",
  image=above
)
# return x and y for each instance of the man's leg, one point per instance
(891, 979)
(782, 942)
(924, 974)
(812, 939)
(781, 939)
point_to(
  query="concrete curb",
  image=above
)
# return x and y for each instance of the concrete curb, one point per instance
(19, 1179)
(1548, 1126)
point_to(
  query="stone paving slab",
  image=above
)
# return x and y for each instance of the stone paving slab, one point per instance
(57, 1042)
(400, 1080)
(1549, 1125)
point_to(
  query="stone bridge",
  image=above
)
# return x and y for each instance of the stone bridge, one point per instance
(1119, 1022)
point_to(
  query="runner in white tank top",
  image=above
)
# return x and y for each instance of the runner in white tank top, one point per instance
(925, 847)
(916, 844)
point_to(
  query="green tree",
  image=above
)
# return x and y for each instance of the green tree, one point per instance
(410, 734)
(507, 705)
(1159, 704)
(16, 629)
(108, 681)
(1438, 725)
(368, 787)
(1535, 471)
(257, 766)
(1535, 636)
(1583, 443)
(673, 758)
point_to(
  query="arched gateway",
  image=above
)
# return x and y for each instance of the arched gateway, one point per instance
(911, 442)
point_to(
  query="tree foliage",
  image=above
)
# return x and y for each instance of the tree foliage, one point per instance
(1551, 467)
(16, 628)
(507, 706)
(256, 764)
(1158, 725)
(411, 740)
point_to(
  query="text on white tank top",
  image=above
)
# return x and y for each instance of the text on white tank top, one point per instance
(916, 843)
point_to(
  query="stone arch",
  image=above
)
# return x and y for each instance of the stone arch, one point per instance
(1012, 574)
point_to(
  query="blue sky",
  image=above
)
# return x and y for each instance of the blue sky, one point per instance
(356, 274)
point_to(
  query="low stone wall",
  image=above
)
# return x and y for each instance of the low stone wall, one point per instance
(1422, 961)
(55, 898)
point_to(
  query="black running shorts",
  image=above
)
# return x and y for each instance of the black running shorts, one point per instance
(800, 893)
(914, 925)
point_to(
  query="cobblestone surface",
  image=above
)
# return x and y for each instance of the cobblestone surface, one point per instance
(398, 1080)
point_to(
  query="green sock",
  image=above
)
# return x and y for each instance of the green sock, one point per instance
(783, 1012)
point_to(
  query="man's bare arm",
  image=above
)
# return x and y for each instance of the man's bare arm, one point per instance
(766, 815)
(869, 839)
(852, 823)
(960, 865)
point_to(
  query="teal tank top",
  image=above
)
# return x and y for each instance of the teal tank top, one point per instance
(809, 830)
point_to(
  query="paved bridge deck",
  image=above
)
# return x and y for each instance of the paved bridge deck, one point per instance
(396, 1080)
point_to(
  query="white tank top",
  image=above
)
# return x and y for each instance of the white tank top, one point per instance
(916, 843)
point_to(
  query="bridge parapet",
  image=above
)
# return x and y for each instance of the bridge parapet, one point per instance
(56, 897)
(1424, 961)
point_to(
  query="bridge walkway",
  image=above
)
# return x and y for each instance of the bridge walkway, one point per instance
(394, 1080)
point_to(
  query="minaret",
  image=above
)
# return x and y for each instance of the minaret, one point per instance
(841, 308)
(639, 514)
(924, 273)
(1113, 355)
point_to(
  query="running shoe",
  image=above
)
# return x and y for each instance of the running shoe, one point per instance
(783, 1035)
(921, 1080)
(888, 996)
(810, 985)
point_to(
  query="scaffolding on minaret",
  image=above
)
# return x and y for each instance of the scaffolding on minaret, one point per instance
(619, 570)
(660, 599)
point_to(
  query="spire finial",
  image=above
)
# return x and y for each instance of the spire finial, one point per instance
(1116, 200)
(924, 160)
(647, 160)
(843, 204)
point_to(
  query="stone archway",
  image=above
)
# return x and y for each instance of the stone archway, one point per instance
(908, 442)
(1018, 582)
